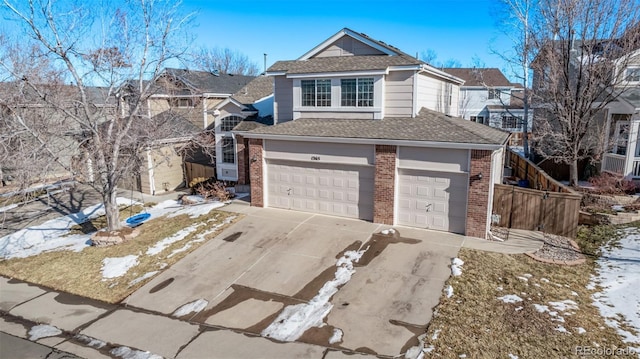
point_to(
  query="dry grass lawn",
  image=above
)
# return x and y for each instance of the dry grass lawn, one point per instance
(80, 272)
(476, 323)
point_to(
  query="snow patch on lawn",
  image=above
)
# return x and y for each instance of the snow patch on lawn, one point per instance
(456, 267)
(294, 320)
(618, 274)
(142, 277)
(201, 237)
(510, 298)
(195, 211)
(176, 237)
(128, 353)
(336, 337)
(43, 331)
(449, 291)
(49, 236)
(388, 231)
(117, 267)
(194, 307)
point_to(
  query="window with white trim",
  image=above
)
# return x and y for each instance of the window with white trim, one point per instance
(494, 94)
(316, 93)
(478, 119)
(228, 150)
(510, 121)
(632, 74)
(356, 92)
(229, 122)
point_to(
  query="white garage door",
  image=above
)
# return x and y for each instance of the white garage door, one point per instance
(339, 190)
(434, 200)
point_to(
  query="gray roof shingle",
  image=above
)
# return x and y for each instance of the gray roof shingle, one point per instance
(491, 77)
(259, 87)
(342, 64)
(204, 81)
(429, 126)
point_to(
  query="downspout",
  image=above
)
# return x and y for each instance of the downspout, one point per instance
(152, 184)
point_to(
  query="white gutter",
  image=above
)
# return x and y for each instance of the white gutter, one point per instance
(372, 141)
(439, 73)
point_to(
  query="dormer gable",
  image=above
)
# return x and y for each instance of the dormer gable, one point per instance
(347, 42)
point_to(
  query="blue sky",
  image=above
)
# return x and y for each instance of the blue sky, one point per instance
(286, 29)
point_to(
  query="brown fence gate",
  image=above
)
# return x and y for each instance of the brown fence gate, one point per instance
(524, 208)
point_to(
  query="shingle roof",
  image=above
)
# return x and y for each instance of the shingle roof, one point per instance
(342, 64)
(427, 126)
(491, 77)
(253, 122)
(204, 81)
(632, 96)
(259, 87)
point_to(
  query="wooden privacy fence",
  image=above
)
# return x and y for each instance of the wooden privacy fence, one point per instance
(524, 208)
(538, 179)
(194, 170)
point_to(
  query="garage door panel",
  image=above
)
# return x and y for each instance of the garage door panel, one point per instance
(435, 200)
(341, 190)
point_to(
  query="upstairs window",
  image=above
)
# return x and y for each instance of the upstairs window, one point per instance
(356, 92)
(632, 74)
(494, 94)
(229, 122)
(316, 93)
(183, 102)
(478, 119)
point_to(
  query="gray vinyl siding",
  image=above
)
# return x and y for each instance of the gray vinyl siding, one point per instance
(283, 99)
(348, 46)
(398, 99)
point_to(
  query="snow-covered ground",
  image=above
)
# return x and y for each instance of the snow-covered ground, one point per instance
(52, 235)
(618, 275)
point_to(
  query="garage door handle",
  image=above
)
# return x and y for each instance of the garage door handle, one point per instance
(428, 207)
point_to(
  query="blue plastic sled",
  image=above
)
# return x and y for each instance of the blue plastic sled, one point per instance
(137, 220)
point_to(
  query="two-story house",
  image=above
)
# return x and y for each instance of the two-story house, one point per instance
(622, 150)
(488, 97)
(184, 100)
(364, 130)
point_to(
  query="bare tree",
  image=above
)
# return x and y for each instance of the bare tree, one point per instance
(54, 119)
(431, 57)
(516, 20)
(583, 49)
(224, 61)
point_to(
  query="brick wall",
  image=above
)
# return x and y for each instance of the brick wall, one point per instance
(478, 201)
(384, 182)
(241, 157)
(256, 172)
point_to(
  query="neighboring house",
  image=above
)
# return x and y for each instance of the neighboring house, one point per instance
(489, 98)
(248, 108)
(363, 130)
(40, 114)
(185, 102)
(623, 121)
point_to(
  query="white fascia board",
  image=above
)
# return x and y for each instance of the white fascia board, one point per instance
(376, 141)
(323, 45)
(275, 73)
(404, 68)
(337, 74)
(214, 94)
(226, 102)
(263, 98)
(432, 70)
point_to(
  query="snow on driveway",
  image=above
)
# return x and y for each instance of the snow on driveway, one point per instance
(618, 275)
(294, 320)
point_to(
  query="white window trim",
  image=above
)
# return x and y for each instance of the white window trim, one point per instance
(336, 100)
(632, 67)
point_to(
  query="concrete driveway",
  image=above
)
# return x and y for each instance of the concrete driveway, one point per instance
(276, 258)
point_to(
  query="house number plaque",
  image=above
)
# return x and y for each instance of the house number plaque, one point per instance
(315, 158)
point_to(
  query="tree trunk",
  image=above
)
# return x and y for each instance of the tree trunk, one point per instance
(573, 173)
(112, 211)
